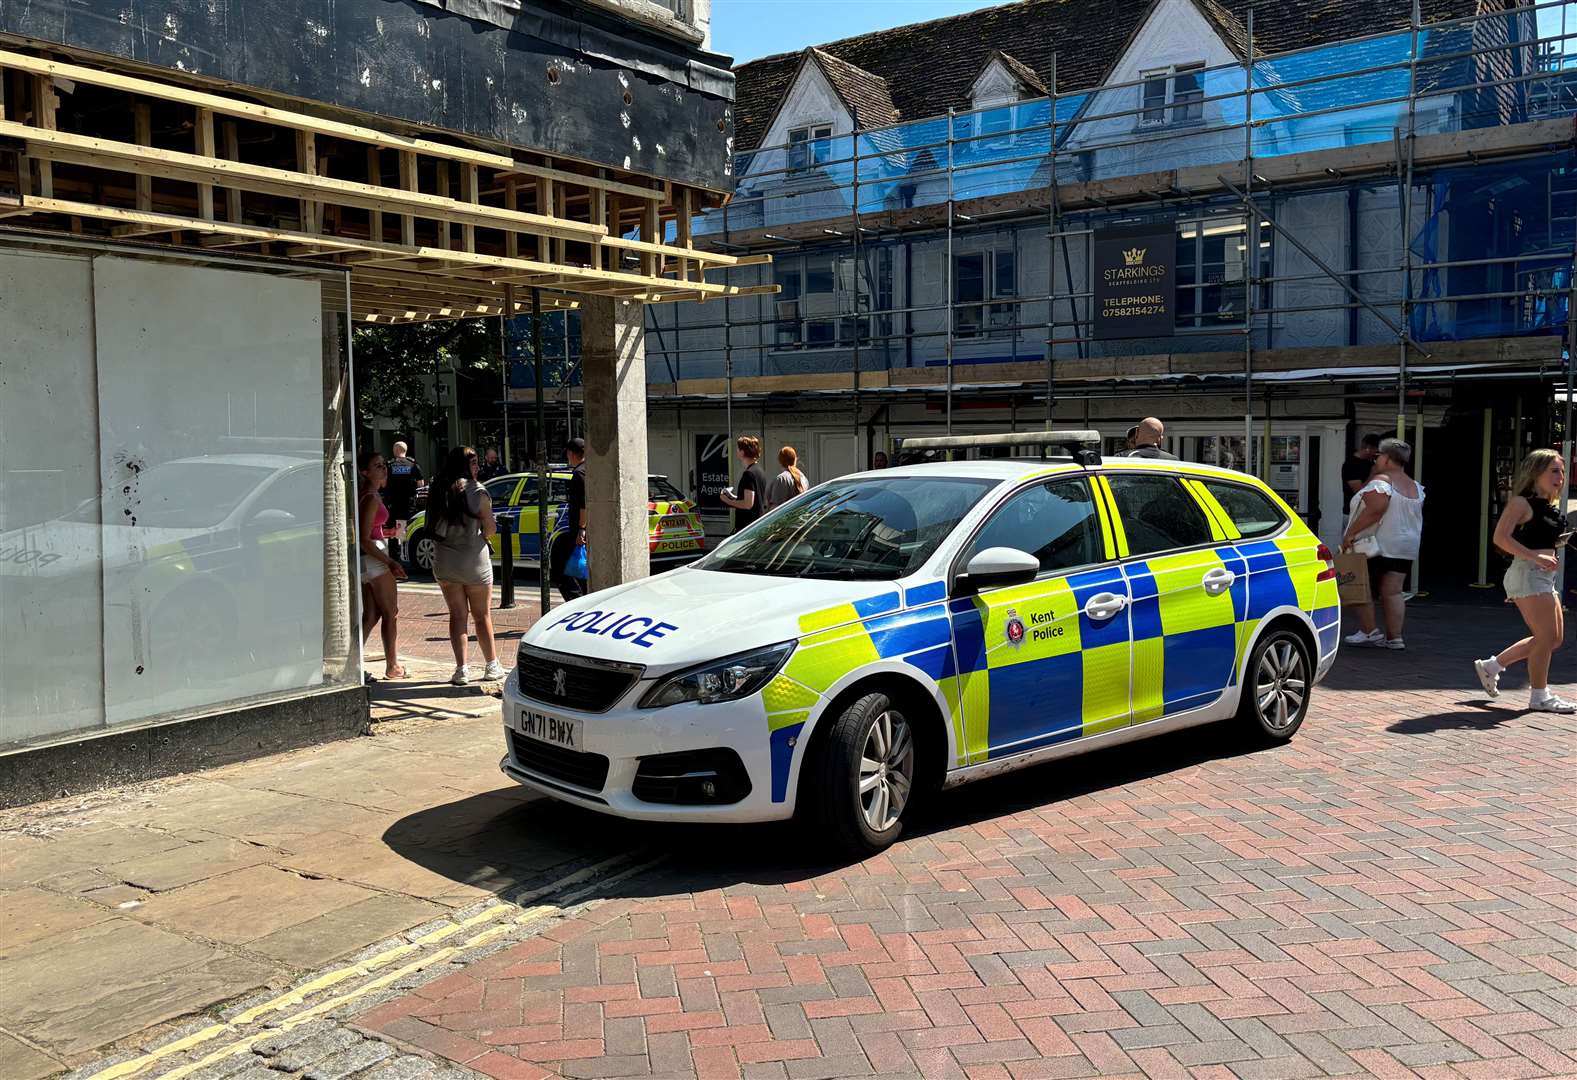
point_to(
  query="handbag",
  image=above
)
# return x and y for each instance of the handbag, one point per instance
(1367, 546)
(575, 565)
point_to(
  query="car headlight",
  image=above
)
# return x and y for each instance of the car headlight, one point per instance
(728, 679)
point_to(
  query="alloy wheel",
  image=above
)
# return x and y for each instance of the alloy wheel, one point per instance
(1281, 685)
(886, 770)
(424, 553)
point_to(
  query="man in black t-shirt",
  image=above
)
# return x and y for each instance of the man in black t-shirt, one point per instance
(574, 531)
(399, 494)
(749, 499)
(1147, 437)
(1357, 469)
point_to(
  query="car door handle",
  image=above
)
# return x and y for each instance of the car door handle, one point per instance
(1103, 606)
(1218, 581)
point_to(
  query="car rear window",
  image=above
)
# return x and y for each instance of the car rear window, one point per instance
(1253, 512)
(1158, 514)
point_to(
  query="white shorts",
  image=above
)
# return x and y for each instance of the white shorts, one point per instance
(373, 569)
(1524, 578)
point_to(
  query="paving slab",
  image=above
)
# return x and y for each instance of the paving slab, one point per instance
(334, 934)
(26, 915)
(18, 1061)
(245, 905)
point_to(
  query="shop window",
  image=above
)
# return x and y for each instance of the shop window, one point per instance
(809, 147)
(1173, 95)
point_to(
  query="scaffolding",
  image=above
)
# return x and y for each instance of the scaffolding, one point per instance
(1420, 108)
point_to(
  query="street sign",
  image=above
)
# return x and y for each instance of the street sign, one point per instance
(1135, 281)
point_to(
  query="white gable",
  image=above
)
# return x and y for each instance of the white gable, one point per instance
(1175, 33)
(996, 85)
(810, 100)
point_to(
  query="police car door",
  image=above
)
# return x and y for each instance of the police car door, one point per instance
(1046, 661)
(502, 492)
(1186, 594)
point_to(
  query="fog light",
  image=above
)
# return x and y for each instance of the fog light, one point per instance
(709, 789)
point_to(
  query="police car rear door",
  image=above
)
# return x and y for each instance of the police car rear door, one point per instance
(1185, 583)
(1047, 661)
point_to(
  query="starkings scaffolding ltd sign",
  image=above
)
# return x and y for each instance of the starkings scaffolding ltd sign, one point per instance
(1135, 281)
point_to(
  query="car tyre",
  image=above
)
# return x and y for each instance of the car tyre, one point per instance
(422, 552)
(1276, 686)
(859, 781)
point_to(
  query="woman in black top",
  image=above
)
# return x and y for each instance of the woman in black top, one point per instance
(749, 499)
(1531, 530)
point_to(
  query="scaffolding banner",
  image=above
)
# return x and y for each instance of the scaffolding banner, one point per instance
(1135, 281)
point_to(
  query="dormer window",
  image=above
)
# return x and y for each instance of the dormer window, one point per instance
(1173, 95)
(809, 147)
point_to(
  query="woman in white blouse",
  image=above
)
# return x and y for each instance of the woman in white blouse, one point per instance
(1386, 523)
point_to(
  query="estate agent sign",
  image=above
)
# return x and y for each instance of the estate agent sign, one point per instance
(1135, 281)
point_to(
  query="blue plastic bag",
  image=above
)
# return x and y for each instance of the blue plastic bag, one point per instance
(575, 566)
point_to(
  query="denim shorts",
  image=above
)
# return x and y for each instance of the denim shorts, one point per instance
(1524, 578)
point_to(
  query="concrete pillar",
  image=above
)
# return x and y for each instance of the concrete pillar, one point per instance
(613, 371)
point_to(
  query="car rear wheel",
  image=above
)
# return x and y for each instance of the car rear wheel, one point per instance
(861, 776)
(422, 552)
(1276, 686)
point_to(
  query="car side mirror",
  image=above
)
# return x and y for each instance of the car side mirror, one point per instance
(995, 567)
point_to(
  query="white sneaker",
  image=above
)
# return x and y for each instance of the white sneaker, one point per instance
(1374, 639)
(461, 676)
(493, 672)
(1552, 704)
(1396, 644)
(1490, 683)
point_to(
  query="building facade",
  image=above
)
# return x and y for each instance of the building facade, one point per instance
(1372, 206)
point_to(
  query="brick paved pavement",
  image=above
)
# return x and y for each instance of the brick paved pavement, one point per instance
(1390, 895)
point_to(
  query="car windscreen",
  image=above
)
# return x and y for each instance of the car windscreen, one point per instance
(660, 490)
(176, 495)
(855, 529)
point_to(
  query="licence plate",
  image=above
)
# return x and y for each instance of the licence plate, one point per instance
(550, 729)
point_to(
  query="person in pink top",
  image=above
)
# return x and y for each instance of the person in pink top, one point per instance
(379, 572)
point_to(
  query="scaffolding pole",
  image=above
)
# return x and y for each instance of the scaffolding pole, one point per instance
(1051, 250)
(859, 323)
(728, 377)
(1405, 182)
(1250, 260)
(544, 559)
(947, 276)
(1571, 379)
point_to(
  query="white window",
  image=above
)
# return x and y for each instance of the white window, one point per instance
(1173, 95)
(979, 276)
(809, 147)
(817, 306)
(1213, 261)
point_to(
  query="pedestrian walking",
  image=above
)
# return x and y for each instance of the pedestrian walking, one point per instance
(573, 531)
(1386, 524)
(1148, 435)
(788, 483)
(379, 572)
(400, 493)
(749, 498)
(490, 468)
(1532, 530)
(460, 517)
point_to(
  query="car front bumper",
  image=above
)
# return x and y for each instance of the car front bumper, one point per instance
(625, 734)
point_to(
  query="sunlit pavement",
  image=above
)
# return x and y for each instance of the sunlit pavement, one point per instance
(1392, 894)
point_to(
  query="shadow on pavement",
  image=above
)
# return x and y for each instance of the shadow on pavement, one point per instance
(1480, 716)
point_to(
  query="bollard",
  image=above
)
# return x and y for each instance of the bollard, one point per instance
(506, 530)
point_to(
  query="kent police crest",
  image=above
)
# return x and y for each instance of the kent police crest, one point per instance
(1014, 629)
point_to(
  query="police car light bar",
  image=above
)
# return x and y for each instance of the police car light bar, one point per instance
(1082, 446)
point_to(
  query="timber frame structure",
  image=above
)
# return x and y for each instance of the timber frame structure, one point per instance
(427, 228)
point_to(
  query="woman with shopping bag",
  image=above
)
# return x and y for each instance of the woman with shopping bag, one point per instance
(1386, 525)
(1532, 530)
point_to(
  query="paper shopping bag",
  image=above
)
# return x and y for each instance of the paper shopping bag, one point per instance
(1352, 578)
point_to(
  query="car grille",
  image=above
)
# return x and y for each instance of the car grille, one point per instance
(582, 770)
(586, 685)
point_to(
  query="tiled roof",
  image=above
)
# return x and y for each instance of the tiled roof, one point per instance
(1026, 75)
(928, 67)
(863, 94)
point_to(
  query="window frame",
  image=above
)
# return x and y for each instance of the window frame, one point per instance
(1177, 478)
(792, 317)
(1172, 109)
(809, 147)
(1259, 262)
(1210, 482)
(989, 307)
(959, 561)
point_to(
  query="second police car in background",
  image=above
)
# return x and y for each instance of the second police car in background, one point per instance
(888, 634)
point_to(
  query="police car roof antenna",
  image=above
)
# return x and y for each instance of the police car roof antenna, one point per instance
(1080, 445)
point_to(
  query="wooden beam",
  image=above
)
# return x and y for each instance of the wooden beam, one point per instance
(311, 213)
(234, 107)
(543, 172)
(468, 194)
(512, 202)
(375, 176)
(408, 182)
(203, 137)
(682, 232)
(45, 104)
(443, 193)
(232, 152)
(142, 119)
(386, 252)
(128, 157)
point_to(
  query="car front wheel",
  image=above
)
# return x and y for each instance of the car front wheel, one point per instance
(1276, 687)
(861, 776)
(422, 552)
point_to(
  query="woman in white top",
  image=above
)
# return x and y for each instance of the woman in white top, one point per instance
(1386, 523)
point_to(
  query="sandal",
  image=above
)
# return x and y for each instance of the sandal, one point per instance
(397, 673)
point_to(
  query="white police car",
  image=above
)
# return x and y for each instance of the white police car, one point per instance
(890, 633)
